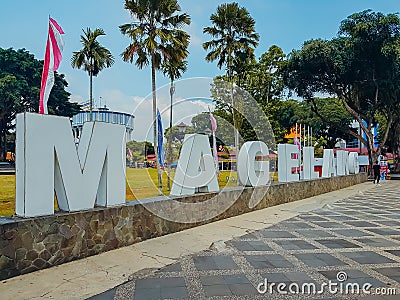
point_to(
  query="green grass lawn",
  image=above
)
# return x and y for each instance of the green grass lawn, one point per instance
(7, 195)
(141, 183)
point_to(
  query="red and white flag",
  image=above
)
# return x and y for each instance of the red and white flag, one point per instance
(130, 155)
(52, 59)
(214, 130)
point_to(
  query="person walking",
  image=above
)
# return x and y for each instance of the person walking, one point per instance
(377, 173)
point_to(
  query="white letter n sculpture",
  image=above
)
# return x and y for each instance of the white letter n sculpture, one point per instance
(48, 161)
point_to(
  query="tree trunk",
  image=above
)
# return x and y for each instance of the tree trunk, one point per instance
(3, 141)
(234, 113)
(370, 141)
(153, 87)
(2, 157)
(395, 145)
(171, 93)
(372, 153)
(91, 96)
(5, 144)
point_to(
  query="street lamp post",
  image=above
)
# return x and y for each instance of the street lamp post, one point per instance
(181, 128)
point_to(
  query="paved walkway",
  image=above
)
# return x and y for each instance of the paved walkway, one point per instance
(354, 230)
(354, 240)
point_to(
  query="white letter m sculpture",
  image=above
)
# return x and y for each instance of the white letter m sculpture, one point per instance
(48, 161)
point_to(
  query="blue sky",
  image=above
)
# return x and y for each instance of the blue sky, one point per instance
(286, 23)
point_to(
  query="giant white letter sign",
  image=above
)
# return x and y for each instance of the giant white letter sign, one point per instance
(342, 162)
(309, 163)
(250, 171)
(196, 170)
(328, 165)
(354, 166)
(48, 161)
(288, 159)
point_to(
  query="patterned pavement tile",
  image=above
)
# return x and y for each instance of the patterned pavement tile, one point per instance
(316, 233)
(393, 273)
(319, 259)
(160, 288)
(394, 252)
(330, 225)
(276, 234)
(351, 232)
(359, 235)
(214, 263)
(337, 243)
(250, 245)
(295, 245)
(377, 242)
(384, 231)
(367, 257)
(361, 224)
(268, 261)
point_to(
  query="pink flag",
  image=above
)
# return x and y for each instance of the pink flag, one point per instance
(130, 155)
(215, 150)
(52, 59)
(296, 142)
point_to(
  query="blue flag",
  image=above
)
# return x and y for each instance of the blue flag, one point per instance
(160, 148)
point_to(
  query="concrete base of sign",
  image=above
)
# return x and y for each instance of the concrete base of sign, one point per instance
(395, 176)
(32, 244)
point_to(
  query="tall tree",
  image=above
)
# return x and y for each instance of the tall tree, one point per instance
(173, 68)
(359, 67)
(233, 36)
(20, 76)
(93, 58)
(155, 36)
(264, 81)
(331, 115)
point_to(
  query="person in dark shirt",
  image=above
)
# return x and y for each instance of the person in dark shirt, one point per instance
(377, 172)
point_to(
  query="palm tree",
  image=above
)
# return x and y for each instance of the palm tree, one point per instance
(174, 70)
(233, 34)
(93, 57)
(155, 36)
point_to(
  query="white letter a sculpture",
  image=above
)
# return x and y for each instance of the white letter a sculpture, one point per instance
(196, 170)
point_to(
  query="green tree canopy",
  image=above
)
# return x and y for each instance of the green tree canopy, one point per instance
(20, 78)
(325, 118)
(263, 81)
(140, 150)
(233, 35)
(359, 67)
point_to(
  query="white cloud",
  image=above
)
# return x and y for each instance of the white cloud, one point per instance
(76, 98)
(118, 101)
(195, 35)
(191, 98)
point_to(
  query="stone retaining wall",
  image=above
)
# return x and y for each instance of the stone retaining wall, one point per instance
(32, 244)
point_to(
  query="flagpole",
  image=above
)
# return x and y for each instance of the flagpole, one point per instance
(300, 137)
(215, 151)
(159, 150)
